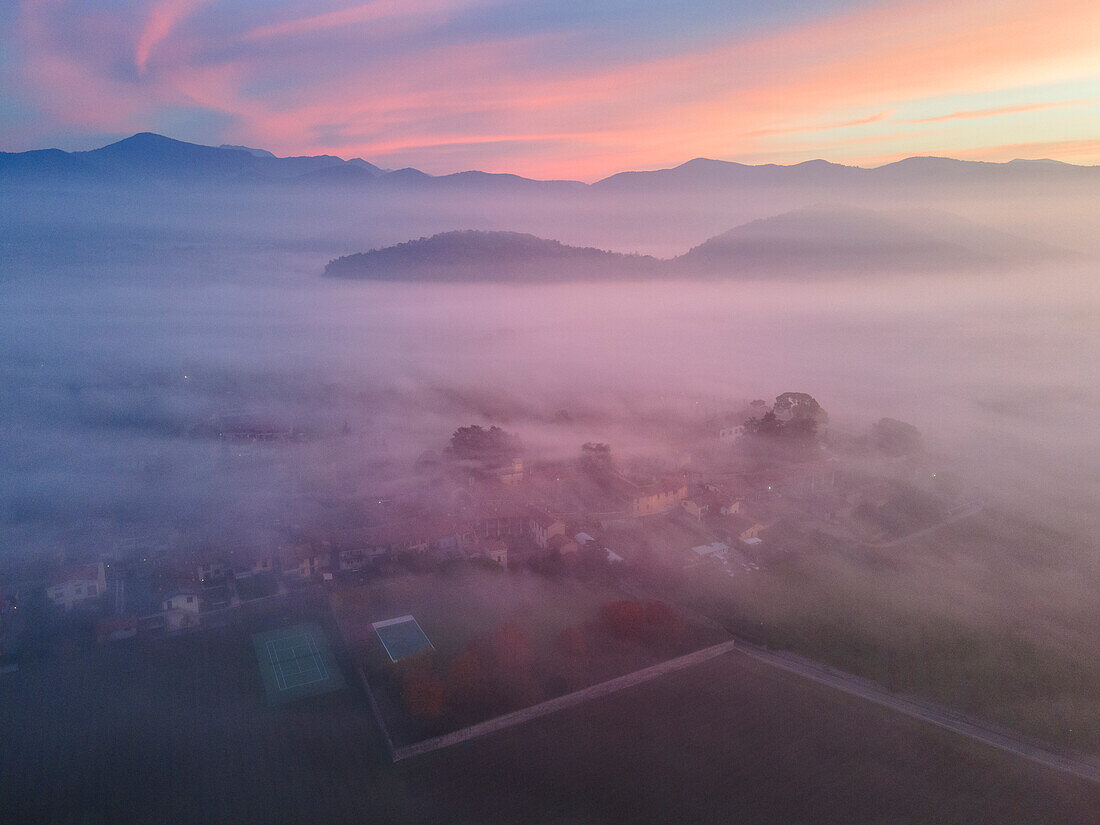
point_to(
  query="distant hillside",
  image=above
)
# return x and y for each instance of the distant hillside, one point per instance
(704, 175)
(490, 256)
(822, 241)
(825, 240)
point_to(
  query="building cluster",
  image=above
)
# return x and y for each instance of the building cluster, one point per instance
(500, 511)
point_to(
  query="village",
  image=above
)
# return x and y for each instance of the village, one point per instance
(735, 492)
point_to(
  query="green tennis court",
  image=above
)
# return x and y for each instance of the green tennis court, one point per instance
(296, 662)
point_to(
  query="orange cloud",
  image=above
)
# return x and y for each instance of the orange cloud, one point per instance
(1006, 110)
(863, 121)
(1085, 151)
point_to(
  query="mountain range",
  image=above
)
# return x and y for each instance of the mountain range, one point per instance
(148, 157)
(812, 242)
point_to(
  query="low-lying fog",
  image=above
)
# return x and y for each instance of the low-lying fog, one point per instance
(114, 381)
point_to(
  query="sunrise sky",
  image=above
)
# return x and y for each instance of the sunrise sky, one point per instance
(547, 88)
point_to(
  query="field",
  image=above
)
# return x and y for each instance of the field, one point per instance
(731, 741)
(181, 733)
(980, 615)
(499, 642)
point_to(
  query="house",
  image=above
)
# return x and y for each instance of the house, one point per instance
(511, 474)
(352, 559)
(695, 507)
(184, 599)
(180, 609)
(717, 500)
(658, 498)
(496, 550)
(717, 550)
(544, 527)
(745, 528)
(252, 563)
(729, 434)
(77, 585)
(212, 568)
(728, 505)
(303, 561)
(563, 546)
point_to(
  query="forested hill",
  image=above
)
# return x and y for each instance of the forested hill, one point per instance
(470, 255)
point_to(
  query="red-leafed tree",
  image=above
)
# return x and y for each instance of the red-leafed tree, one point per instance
(664, 624)
(469, 691)
(571, 650)
(422, 693)
(571, 645)
(515, 658)
(624, 619)
(512, 648)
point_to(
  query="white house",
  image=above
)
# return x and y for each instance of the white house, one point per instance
(181, 600)
(181, 609)
(77, 585)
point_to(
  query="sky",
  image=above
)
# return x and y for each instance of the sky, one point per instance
(557, 88)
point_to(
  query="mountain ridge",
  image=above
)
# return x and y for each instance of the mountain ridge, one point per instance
(149, 156)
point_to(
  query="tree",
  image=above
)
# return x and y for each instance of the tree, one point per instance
(800, 405)
(895, 437)
(476, 443)
(769, 425)
(596, 457)
(624, 619)
(663, 622)
(422, 692)
(800, 428)
(514, 657)
(469, 684)
(512, 648)
(571, 645)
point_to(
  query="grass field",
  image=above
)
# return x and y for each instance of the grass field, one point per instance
(981, 615)
(179, 732)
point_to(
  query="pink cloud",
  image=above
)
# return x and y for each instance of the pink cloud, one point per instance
(354, 15)
(548, 105)
(163, 17)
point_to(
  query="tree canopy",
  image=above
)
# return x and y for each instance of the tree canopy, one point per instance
(801, 405)
(477, 443)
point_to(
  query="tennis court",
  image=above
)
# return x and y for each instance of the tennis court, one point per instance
(402, 637)
(296, 662)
